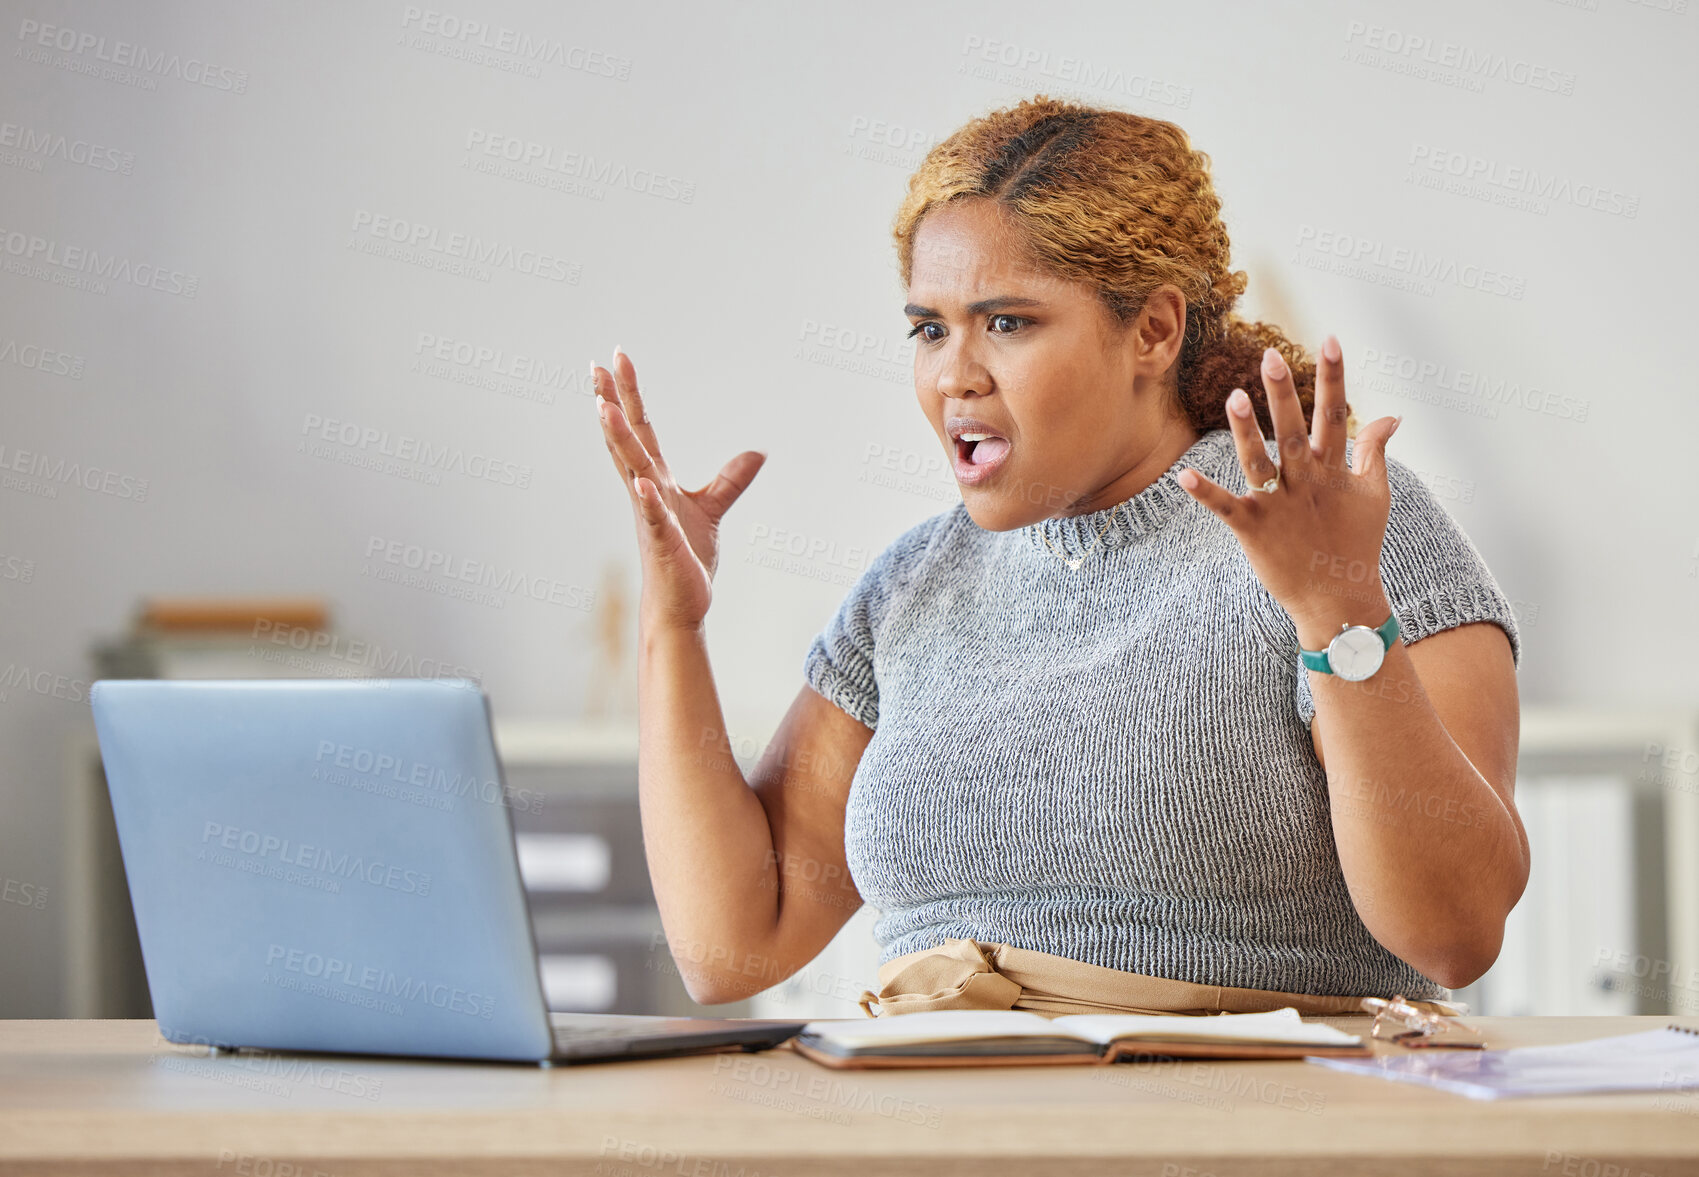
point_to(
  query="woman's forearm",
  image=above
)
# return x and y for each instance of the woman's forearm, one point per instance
(1429, 849)
(705, 832)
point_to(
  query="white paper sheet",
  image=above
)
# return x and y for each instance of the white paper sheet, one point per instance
(1665, 1059)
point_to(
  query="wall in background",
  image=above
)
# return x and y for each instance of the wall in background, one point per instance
(236, 299)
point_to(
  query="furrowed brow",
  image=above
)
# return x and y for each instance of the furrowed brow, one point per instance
(981, 307)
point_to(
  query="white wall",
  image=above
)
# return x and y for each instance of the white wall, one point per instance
(771, 117)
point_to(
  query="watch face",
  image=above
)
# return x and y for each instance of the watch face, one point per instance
(1356, 653)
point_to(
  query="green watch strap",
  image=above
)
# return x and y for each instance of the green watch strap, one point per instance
(1388, 629)
(1317, 659)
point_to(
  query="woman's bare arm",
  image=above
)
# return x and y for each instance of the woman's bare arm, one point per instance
(1421, 772)
(751, 882)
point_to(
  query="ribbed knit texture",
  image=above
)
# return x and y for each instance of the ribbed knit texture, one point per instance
(1113, 763)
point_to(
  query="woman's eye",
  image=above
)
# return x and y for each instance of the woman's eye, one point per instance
(1014, 323)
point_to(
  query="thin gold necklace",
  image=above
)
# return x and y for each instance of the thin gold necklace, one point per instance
(1080, 559)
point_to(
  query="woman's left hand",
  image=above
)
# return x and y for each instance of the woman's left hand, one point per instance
(1315, 540)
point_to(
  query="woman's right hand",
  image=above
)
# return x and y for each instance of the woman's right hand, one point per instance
(677, 529)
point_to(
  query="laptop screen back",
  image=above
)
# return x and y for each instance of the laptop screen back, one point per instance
(323, 865)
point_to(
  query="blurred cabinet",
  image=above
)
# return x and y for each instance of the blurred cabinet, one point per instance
(1609, 922)
(598, 931)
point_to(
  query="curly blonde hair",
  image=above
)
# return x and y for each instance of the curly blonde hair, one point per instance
(1123, 203)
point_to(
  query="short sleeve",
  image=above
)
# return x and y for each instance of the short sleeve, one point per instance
(840, 661)
(1434, 576)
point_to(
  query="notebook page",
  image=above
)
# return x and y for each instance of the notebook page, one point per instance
(1276, 1027)
(1654, 1060)
(944, 1025)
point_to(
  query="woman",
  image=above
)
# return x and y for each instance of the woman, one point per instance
(1086, 739)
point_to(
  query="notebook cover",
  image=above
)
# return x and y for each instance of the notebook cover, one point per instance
(1229, 1050)
(895, 1062)
(1117, 1051)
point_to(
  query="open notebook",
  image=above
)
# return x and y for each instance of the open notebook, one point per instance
(946, 1038)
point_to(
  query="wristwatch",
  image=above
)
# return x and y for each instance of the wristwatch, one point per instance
(1355, 652)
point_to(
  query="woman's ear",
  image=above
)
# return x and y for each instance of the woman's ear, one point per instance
(1160, 328)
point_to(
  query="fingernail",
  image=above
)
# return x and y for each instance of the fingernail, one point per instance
(1239, 403)
(1274, 363)
(617, 352)
(1395, 422)
(1330, 349)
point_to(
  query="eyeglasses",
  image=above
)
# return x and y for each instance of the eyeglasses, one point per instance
(1421, 1029)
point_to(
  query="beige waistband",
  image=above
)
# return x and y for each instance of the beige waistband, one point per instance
(968, 974)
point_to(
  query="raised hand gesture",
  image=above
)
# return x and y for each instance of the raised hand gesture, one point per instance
(677, 529)
(1317, 513)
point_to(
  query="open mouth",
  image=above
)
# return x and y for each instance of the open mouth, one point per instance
(981, 450)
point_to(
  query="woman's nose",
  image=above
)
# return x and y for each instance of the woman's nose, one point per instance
(958, 374)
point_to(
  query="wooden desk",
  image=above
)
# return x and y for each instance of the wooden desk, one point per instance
(88, 1097)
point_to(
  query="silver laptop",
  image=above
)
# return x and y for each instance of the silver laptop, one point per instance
(329, 866)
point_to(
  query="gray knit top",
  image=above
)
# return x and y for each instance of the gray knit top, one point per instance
(1113, 764)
